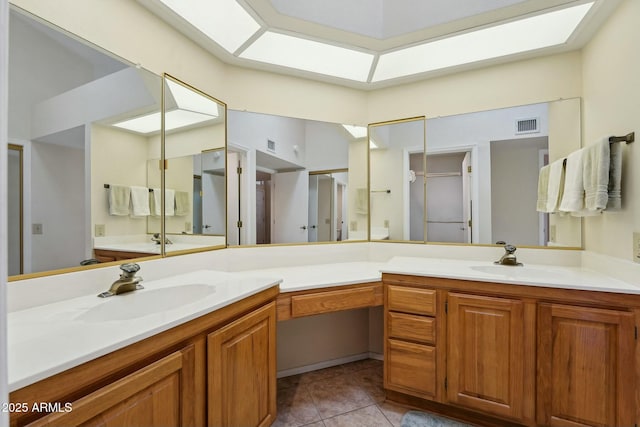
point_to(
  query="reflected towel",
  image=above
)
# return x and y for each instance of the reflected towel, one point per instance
(169, 202)
(119, 197)
(615, 177)
(140, 202)
(543, 189)
(182, 203)
(556, 185)
(573, 192)
(155, 201)
(595, 175)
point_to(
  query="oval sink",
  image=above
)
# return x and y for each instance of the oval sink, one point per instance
(517, 272)
(146, 301)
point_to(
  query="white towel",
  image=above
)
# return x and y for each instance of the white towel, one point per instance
(615, 177)
(155, 201)
(119, 197)
(573, 193)
(182, 203)
(169, 202)
(140, 202)
(595, 176)
(543, 189)
(556, 184)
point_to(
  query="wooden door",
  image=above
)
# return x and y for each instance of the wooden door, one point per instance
(586, 367)
(485, 354)
(161, 394)
(242, 371)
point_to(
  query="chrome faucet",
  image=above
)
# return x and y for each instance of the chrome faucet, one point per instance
(509, 258)
(127, 282)
(156, 238)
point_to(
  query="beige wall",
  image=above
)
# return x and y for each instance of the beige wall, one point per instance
(611, 107)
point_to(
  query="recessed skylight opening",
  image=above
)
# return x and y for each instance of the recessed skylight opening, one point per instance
(308, 55)
(188, 99)
(356, 131)
(549, 29)
(223, 21)
(175, 119)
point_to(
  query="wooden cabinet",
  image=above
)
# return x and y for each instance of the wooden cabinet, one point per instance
(242, 371)
(586, 374)
(160, 394)
(485, 354)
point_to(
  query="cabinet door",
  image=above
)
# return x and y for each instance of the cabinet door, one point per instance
(585, 367)
(485, 354)
(160, 394)
(242, 371)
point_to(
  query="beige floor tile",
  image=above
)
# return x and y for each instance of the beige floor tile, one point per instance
(369, 416)
(362, 364)
(338, 395)
(318, 424)
(295, 408)
(393, 412)
(371, 381)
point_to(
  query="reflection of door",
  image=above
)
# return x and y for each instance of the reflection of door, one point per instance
(313, 208)
(263, 208)
(325, 208)
(197, 204)
(341, 210)
(14, 211)
(445, 208)
(213, 204)
(290, 207)
(466, 197)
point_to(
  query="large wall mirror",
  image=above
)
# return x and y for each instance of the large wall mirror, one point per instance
(195, 169)
(293, 180)
(77, 156)
(482, 175)
(397, 195)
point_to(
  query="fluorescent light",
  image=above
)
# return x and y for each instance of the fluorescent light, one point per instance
(308, 55)
(175, 119)
(356, 131)
(223, 21)
(527, 34)
(188, 99)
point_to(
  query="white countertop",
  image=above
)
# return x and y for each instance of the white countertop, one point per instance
(307, 277)
(529, 274)
(48, 339)
(149, 248)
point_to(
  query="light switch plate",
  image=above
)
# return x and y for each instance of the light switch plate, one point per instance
(636, 247)
(99, 230)
(386, 223)
(36, 228)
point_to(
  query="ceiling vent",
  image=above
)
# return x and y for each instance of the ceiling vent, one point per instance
(527, 126)
(271, 145)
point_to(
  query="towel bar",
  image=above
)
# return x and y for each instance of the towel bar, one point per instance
(628, 138)
(109, 186)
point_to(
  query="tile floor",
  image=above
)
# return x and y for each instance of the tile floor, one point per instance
(348, 395)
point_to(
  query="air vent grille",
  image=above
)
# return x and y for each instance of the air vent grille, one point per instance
(271, 145)
(527, 125)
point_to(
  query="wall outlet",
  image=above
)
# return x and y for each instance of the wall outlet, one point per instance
(187, 227)
(386, 223)
(636, 247)
(353, 226)
(36, 228)
(99, 230)
(552, 233)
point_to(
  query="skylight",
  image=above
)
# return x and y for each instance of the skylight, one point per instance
(309, 55)
(356, 131)
(175, 119)
(549, 29)
(223, 21)
(188, 99)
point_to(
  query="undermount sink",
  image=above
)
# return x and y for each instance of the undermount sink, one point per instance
(146, 301)
(520, 272)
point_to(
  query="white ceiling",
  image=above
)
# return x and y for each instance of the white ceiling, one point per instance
(365, 32)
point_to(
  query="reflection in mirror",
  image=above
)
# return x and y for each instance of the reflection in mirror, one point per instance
(299, 181)
(397, 179)
(68, 101)
(195, 177)
(482, 174)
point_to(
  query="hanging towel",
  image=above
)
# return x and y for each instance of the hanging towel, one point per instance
(556, 184)
(595, 175)
(543, 189)
(182, 203)
(169, 202)
(140, 202)
(119, 197)
(573, 192)
(615, 177)
(361, 201)
(155, 201)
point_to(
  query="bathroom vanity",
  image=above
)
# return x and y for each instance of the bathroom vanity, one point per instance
(486, 346)
(177, 366)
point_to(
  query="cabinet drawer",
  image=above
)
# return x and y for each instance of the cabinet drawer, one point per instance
(412, 327)
(411, 368)
(411, 300)
(325, 302)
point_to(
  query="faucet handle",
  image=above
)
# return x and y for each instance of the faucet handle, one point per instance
(131, 268)
(509, 248)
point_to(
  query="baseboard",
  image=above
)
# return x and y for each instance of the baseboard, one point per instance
(328, 364)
